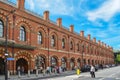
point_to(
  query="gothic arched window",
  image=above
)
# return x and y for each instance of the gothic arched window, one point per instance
(40, 38)
(1, 28)
(22, 33)
(53, 41)
(63, 43)
(71, 45)
(78, 49)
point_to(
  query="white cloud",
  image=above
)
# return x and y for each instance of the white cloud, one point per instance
(114, 28)
(31, 3)
(112, 39)
(60, 7)
(97, 32)
(107, 10)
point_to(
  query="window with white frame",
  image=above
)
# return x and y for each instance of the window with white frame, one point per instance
(78, 49)
(1, 28)
(40, 40)
(63, 43)
(71, 45)
(22, 34)
(53, 41)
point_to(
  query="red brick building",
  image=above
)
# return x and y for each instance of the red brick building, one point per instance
(35, 41)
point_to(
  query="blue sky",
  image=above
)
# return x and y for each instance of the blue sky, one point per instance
(100, 18)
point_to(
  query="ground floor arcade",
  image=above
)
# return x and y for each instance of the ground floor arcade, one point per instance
(27, 61)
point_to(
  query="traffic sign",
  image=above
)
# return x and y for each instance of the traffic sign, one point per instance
(10, 59)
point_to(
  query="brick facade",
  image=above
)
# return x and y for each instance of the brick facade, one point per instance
(82, 51)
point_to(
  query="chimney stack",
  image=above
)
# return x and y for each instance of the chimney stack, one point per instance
(94, 40)
(71, 28)
(59, 22)
(89, 37)
(20, 4)
(102, 44)
(99, 42)
(46, 15)
(108, 46)
(105, 45)
(82, 33)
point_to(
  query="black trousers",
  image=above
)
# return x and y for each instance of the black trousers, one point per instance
(92, 74)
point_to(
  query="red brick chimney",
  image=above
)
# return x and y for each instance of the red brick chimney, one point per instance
(99, 42)
(94, 40)
(105, 45)
(20, 4)
(71, 28)
(46, 15)
(108, 46)
(89, 37)
(112, 48)
(102, 44)
(82, 33)
(59, 22)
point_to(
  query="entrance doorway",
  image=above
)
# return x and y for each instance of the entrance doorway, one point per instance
(78, 63)
(54, 61)
(22, 64)
(2, 66)
(64, 63)
(72, 63)
(40, 62)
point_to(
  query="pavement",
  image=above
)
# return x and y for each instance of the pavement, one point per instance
(39, 76)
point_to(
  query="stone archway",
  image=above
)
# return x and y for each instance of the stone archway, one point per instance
(22, 64)
(2, 66)
(40, 62)
(92, 62)
(27, 56)
(54, 61)
(72, 63)
(89, 62)
(78, 62)
(64, 63)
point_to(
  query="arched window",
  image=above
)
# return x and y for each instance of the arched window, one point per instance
(53, 61)
(71, 45)
(40, 40)
(53, 41)
(40, 62)
(82, 47)
(1, 29)
(22, 34)
(78, 49)
(63, 43)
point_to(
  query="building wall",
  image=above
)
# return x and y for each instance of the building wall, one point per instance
(89, 49)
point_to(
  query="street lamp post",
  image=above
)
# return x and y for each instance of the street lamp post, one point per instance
(82, 54)
(6, 45)
(48, 48)
(68, 53)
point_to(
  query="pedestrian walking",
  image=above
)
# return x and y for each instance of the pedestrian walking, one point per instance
(48, 70)
(22, 70)
(92, 71)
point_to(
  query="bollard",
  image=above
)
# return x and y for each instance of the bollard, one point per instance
(19, 74)
(43, 72)
(78, 71)
(36, 72)
(8, 74)
(28, 73)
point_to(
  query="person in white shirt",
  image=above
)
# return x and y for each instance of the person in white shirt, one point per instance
(92, 71)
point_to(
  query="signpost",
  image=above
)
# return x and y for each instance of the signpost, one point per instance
(10, 59)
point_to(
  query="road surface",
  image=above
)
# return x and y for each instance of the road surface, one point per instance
(112, 73)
